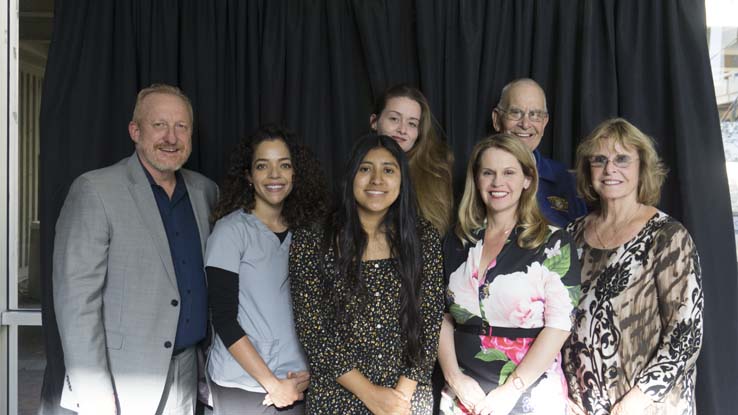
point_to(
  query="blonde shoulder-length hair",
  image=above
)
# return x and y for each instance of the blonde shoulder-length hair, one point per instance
(472, 211)
(652, 171)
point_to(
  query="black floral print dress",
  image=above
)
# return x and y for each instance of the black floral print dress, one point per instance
(639, 323)
(372, 342)
(499, 312)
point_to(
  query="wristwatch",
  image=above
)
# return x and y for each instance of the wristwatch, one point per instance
(518, 382)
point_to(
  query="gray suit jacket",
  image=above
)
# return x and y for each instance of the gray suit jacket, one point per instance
(114, 283)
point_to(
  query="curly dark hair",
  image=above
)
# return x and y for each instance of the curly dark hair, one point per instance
(307, 204)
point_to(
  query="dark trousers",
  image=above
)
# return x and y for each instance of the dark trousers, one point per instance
(235, 401)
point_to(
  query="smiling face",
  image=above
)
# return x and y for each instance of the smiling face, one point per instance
(500, 180)
(612, 182)
(271, 174)
(400, 119)
(526, 97)
(377, 182)
(163, 135)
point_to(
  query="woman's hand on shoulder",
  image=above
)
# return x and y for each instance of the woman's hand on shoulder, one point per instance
(634, 402)
(500, 401)
(467, 390)
(388, 401)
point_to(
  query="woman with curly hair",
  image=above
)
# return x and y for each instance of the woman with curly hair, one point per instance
(403, 114)
(367, 292)
(273, 186)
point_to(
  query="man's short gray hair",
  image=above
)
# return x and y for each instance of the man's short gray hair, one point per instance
(504, 95)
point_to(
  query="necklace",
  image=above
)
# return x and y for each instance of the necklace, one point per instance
(505, 229)
(616, 235)
(505, 232)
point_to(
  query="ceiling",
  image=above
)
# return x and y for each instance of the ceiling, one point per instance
(34, 30)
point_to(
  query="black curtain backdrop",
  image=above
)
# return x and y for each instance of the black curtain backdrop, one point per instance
(317, 65)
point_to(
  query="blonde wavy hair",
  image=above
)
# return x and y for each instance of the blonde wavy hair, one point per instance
(473, 212)
(652, 171)
(430, 161)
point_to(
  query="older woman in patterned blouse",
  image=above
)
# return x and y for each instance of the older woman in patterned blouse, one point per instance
(638, 329)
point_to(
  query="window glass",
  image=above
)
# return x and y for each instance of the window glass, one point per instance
(722, 38)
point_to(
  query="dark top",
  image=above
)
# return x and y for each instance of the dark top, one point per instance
(557, 192)
(371, 342)
(223, 301)
(282, 235)
(498, 312)
(183, 236)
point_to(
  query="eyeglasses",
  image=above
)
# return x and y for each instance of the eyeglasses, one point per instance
(516, 114)
(621, 160)
(178, 126)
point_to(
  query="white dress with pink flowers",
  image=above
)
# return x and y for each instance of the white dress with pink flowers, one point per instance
(499, 312)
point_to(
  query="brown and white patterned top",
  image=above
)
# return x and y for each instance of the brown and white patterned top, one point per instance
(639, 322)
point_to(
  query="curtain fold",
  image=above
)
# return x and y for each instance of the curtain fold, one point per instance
(317, 66)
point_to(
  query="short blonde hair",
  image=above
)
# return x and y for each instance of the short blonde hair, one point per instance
(652, 172)
(472, 211)
(159, 89)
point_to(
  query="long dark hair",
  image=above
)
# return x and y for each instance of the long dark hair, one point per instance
(306, 204)
(349, 241)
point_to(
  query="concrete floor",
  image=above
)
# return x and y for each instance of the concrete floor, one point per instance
(31, 364)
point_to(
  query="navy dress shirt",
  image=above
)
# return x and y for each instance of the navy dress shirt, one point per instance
(557, 192)
(184, 245)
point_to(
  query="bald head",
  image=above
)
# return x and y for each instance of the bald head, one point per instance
(527, 85)
(522, 112)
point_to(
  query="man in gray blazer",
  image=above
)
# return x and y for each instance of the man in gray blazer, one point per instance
(129, 281)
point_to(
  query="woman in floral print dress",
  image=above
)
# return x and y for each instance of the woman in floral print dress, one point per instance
(638, 329)
(513, 282)
(368, 292)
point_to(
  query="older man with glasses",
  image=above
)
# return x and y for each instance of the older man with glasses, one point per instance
(522, 112)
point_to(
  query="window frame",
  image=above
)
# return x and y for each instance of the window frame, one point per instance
(11, 317)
